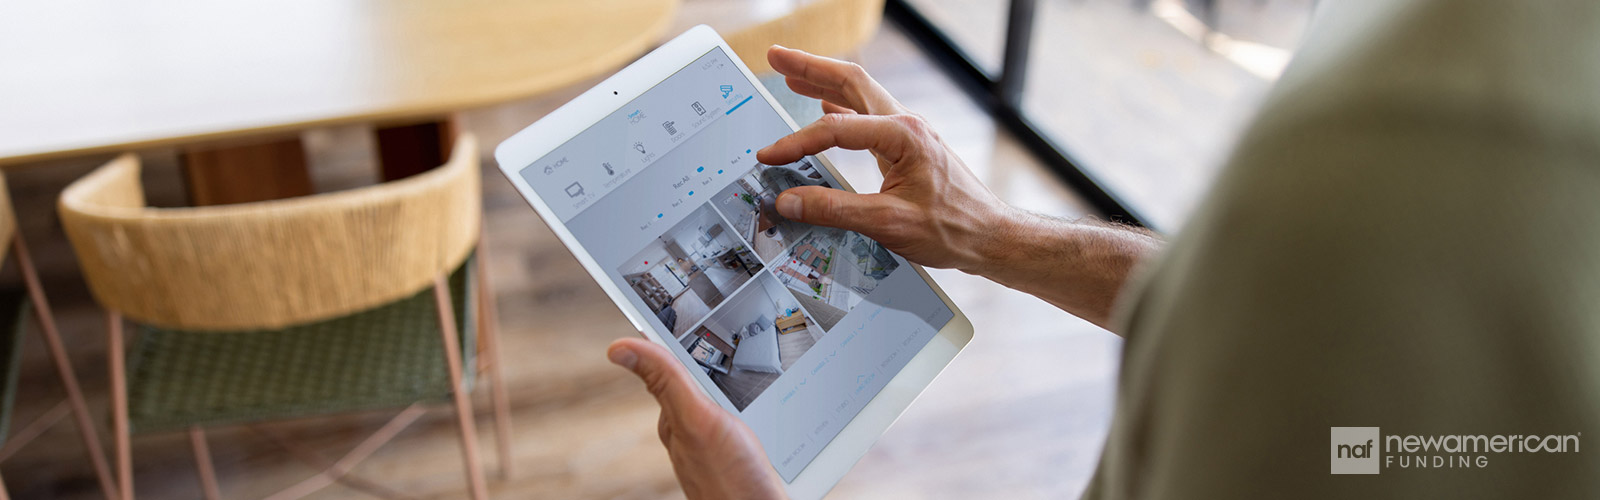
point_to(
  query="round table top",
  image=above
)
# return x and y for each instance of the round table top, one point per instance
(88, 77)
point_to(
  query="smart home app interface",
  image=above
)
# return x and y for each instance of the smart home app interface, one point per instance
(796, 327)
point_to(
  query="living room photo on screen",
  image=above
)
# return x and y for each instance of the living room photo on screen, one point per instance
(830, 271)
(748, 204)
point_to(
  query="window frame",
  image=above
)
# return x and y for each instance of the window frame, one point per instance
(1001, 97)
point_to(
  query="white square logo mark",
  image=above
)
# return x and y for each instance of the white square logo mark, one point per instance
(1355, 450)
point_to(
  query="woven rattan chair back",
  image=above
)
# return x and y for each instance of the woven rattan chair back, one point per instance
(270, 264)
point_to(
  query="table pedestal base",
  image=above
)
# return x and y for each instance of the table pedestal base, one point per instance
(273, 170)
(247, 173)
(408, 150)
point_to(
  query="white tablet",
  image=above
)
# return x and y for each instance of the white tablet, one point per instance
(817, 338)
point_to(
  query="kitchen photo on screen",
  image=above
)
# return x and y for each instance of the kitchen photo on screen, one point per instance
(689, 269)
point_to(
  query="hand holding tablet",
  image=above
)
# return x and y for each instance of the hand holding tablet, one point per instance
(714, 454)
(814, 337)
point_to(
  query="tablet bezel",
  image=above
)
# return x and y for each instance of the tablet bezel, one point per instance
(562, 125)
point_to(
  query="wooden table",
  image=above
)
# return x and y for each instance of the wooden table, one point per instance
(234, 82)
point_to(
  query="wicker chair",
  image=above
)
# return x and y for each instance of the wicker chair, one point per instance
(12, 326)
(339, 302)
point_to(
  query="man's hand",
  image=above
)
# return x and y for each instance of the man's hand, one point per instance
(931, 209)
(713, 453)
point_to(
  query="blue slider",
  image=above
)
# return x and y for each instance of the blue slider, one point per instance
(736, 106)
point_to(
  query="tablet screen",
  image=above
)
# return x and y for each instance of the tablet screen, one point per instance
(794, 327)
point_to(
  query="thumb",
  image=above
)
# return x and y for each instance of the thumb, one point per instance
(862, 213)
(663, 376)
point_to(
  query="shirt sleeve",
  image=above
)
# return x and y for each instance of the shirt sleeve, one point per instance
(1406, 237)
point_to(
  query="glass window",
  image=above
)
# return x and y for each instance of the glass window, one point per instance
(1147, 95)
(977, 27)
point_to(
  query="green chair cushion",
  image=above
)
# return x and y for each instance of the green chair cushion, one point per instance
(13, 324)
(385, 357)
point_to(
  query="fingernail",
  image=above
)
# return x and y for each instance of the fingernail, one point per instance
(623, 357)
(789, 206)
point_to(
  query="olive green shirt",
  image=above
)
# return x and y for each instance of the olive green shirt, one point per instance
(1406, 237)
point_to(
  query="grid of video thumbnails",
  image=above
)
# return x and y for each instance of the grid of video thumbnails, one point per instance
(747, 292)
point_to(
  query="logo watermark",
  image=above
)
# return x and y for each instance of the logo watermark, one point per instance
(1365, 450)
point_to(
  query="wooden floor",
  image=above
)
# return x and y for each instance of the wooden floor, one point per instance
(1021, 414)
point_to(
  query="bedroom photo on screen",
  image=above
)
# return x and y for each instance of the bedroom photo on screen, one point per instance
(752, 339)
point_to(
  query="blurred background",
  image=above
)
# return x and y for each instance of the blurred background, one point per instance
(1119, 109)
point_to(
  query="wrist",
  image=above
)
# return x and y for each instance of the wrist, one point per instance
(1000, 241)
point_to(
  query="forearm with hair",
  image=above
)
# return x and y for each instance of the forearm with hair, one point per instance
(1079, 266)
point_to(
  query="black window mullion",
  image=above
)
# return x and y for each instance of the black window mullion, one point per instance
(1014, 61)
(1002, 97)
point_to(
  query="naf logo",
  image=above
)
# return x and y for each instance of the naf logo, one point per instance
(1355, 450)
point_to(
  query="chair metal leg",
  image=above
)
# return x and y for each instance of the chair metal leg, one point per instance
(202, 462)
(58, 355)
(340, 471)
(452, 352)
(119, 405)
(42, 423)
(488, 331)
